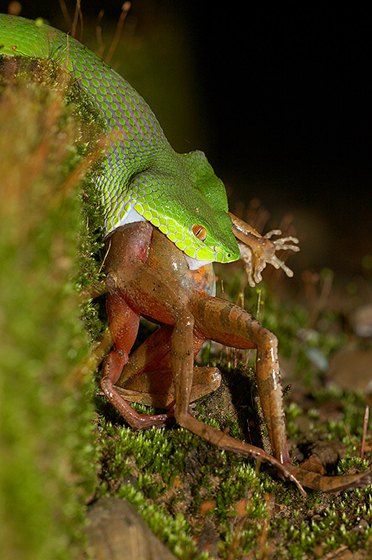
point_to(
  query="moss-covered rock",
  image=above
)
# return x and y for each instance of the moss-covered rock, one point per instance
(47, 466)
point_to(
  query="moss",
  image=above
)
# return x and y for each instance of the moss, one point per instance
(47, 466)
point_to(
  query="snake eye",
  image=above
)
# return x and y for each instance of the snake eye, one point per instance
(200, 232)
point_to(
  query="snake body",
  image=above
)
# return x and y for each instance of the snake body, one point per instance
(142, 177)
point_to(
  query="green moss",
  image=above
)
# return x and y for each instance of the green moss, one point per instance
(326, 525)
(47, 466)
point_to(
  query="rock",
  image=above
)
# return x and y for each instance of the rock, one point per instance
(117, 532)
(351, 369)
(361, 321)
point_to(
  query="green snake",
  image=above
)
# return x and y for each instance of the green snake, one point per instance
(142, 177)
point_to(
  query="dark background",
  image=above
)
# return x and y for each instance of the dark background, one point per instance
(281, 103)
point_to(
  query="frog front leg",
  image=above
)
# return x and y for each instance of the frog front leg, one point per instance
(258, 250)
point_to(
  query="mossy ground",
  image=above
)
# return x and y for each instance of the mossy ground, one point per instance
(205, 503)
(59, 452)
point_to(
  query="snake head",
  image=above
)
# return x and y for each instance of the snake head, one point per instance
(181, 196)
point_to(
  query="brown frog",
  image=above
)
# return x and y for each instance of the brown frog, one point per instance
(148, 276)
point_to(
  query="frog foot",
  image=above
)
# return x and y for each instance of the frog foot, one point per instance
(256, 259)
(323, 483)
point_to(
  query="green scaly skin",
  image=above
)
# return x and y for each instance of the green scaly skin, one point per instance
(141, 171)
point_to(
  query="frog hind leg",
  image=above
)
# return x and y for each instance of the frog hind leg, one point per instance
(156, 388)
(147, 377)
(124, 323)
(325, 483)
(231, 325)
(182, 366)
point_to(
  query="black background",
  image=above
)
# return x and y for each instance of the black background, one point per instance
(285, 93)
